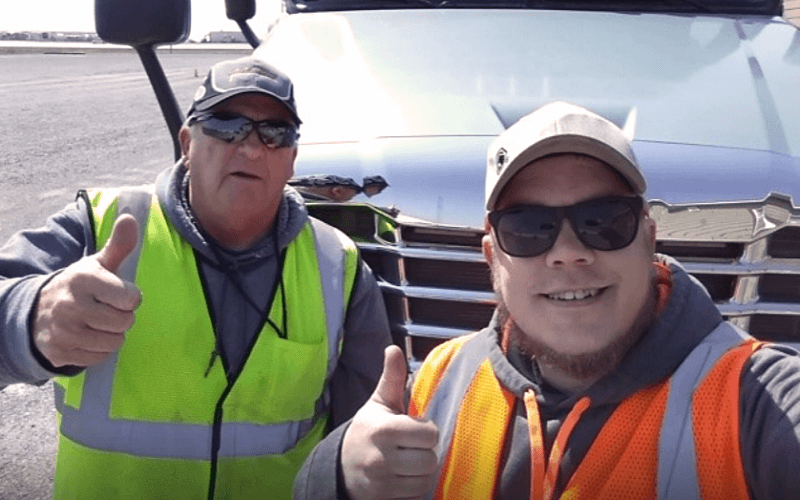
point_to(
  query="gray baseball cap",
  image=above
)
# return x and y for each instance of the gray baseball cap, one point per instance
(247, 75)
(556, 128)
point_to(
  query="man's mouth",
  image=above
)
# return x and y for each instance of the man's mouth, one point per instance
(573, 295)
(244, 175)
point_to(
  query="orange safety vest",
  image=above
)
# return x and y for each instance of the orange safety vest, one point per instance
(678, 439)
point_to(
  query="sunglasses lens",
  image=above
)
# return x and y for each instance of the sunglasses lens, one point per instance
(602, 224)
(277, 135)
(608, 224)
(233, 129)
(528, 232)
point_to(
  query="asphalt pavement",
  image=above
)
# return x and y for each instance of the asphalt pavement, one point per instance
(71, 121)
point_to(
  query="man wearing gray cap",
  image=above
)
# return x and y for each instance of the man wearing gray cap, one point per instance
(607, 372)
(206, 333)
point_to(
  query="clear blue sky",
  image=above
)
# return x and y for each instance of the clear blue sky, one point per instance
(78, 15)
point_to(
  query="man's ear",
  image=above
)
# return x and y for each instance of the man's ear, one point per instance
(486, 242)
(651, 230)
(185, 138)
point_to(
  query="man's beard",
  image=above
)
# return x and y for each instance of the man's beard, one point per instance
(590, 365)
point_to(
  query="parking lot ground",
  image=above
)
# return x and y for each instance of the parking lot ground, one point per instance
(71, 121)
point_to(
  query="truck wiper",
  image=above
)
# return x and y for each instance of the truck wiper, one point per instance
(433, 4)
(600, 5)
(333, 5)
(700, 6)
(625, 5)
(716, 7)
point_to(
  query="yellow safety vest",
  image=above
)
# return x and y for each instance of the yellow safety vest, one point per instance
(155, 421)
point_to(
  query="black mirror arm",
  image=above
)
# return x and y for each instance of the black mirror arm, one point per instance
(251, 37)
(166, 98)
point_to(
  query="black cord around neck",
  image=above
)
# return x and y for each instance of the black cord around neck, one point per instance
(231, 271)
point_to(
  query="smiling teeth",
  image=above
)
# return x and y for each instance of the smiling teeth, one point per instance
(576, 295)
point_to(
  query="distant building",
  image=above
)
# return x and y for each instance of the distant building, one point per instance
(224, 37)
(20, 35)
(791, 11)
(50, 36)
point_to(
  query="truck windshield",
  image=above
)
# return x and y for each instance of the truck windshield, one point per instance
(737, 7)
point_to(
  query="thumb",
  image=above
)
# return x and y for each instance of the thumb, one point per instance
(391, 388)
(124, 237)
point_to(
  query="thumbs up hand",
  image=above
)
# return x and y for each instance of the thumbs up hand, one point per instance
(385, 453)
(82, 314)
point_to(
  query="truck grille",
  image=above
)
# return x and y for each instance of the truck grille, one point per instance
(437, 286)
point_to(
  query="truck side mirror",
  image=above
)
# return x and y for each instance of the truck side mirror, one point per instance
(142, 22)
(240, 10)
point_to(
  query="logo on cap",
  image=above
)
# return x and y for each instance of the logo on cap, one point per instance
(200, 93)
(500, 159)
(253, 69)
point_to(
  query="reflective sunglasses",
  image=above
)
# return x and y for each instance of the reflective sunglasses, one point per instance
(236, 128)
(608, 223)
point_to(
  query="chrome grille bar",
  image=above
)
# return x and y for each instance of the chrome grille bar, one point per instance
(485, 298)
(782, 308)
(448, 254)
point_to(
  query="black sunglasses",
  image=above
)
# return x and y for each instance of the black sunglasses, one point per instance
(236, 128)
(608, 223)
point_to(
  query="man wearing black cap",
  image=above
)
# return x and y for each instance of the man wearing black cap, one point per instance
(205, 336)
(607, 372)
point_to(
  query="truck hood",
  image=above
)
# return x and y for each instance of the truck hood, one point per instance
(418, 95)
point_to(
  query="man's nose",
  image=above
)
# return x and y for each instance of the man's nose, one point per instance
(252, 146)
(568, 249)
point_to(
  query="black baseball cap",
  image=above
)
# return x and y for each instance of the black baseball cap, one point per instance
(247, 75)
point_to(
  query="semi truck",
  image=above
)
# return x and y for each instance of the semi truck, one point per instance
(413, 92)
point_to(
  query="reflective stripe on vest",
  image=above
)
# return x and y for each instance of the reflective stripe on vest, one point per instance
(677, 459)
(164, 439)
(136, 202)
(443, 405)
(337, 255)
(452, 380)
(86, 408)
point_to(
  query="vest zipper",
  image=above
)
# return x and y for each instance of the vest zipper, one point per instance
(216, 438)
(216, 432)
(211, 360)
(544, 476)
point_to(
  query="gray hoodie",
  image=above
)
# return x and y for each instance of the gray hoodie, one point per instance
(239, 288)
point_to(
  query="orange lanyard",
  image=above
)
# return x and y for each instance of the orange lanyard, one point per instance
(544, 476)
